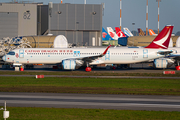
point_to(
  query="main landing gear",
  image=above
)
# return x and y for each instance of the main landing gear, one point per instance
(21, 68)
(88, 69)
(177, 66)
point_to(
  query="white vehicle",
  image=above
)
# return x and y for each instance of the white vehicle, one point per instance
(72, 57)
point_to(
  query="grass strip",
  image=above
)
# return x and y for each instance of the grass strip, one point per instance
(93, 73)
(91, 85)
(22, 113)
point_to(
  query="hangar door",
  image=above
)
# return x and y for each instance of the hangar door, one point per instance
(8, 24)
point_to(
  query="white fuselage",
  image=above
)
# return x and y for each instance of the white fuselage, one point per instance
(118, 55)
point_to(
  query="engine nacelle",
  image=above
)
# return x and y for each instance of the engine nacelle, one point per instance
(69, 64)
(163, 63)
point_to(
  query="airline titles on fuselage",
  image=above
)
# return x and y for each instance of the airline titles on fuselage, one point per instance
(48, 51)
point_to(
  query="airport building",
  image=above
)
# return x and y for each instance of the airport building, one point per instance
(18, 19)
(81, 24)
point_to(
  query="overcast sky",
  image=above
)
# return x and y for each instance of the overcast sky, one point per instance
(134, 11)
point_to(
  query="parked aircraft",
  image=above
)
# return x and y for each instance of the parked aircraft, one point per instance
(112, 33)
(122, 40)
(127, 32)
(119, 32)
(151, 32)
(70, 58)
(106, 38)
(105, 35)
(141, 32)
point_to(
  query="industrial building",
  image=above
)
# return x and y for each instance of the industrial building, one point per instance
(81, 24)
(18, 19)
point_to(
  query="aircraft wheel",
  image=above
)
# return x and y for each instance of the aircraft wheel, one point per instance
(88, 69)
(177, 67)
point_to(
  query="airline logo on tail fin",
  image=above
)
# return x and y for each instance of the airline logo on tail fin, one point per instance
(163, 39)
(127, 32)
(141, 32)
(151, 32)
(112, 33)
(119, 32)
(105, 35)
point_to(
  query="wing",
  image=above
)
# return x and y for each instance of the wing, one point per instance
(91, 58)
(164, 52)
(174, 56)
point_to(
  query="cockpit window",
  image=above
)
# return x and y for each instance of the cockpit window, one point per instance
(11, 53)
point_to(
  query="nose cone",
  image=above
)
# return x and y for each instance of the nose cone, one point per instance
(4, 58)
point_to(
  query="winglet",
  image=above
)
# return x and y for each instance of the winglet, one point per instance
(106, 50)
(163, 39)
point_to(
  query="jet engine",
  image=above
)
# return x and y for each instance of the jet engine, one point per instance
(69, 64)
(163, 63)
(72, 64)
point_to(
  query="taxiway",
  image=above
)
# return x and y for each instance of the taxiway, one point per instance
(87, 101)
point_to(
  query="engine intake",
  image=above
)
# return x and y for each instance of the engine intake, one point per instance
(163, 63)
(69, 64)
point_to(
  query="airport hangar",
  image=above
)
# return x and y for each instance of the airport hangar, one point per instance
(80, 23)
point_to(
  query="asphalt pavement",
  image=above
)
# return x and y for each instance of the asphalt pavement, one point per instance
(94, 101)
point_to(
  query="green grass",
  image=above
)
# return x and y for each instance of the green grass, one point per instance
(92, 73)
(18, 113)
(91, 85)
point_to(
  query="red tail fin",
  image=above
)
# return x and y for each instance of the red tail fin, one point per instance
(119, 32)
(162, 40)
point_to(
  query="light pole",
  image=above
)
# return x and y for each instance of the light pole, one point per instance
(147, 18)
(158, 13)
(133, 32)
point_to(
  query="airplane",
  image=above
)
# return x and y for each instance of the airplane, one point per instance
(119, 32)
(112, 33)
(105, 35)
(141, 32)
(151, 32)
(122, 40)
(70, 58)
(128, 32)
(106, 38)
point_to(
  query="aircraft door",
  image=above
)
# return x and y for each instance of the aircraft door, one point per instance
(145, 53)
(107, 56)
(21, 53)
